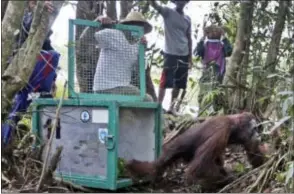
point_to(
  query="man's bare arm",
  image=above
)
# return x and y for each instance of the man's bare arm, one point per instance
(158, 8)
(155, 5)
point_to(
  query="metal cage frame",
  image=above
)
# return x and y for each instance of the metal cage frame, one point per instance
(71, 64)
(111, 181)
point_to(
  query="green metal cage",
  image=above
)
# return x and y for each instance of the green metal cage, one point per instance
(72, 79)
(95, 130)
(123, 134)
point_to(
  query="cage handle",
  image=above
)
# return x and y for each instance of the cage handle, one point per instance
(109, 144)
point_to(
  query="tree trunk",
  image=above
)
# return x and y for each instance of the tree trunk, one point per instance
(273, 50)
(19, 71)
(10, 24)
(3, 8)
(240, 45)
(111, 9)
(242, 73)
(125, 8)
(86, 53)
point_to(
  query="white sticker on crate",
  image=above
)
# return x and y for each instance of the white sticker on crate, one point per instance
(100, 116)
(102, 133)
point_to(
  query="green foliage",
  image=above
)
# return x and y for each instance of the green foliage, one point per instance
(192, 83)
(156, 81)
(212, 101)
(280, 177)
(26, 121)
(286, 177)
(258, 75)
(226, 14)
(210, 97)
(60, 88)
(121, 167)
(239, 167)
(289, 175)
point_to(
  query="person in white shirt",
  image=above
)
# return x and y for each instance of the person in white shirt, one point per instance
(119, 57)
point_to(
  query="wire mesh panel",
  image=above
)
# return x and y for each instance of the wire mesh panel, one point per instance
(84, 151)
(106, 63)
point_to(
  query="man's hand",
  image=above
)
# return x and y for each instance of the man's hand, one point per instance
(155, 5)
(49, 6)
(144, 40)
(106, 20)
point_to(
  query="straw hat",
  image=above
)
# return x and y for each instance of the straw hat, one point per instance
(135, 17)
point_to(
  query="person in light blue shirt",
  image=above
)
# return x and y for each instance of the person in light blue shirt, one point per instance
(177, 50)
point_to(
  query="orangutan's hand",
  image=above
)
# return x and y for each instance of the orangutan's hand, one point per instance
(105, 20)
(265, 148)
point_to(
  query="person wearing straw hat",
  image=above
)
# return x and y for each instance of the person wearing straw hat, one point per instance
(137, 19)
(177, 50)
(119, 56)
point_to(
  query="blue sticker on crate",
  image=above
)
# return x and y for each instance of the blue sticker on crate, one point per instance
(102, 133)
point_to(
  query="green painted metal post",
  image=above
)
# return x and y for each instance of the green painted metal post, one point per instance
(112, 160)
(158, 135)
(35, 126)
(142, 67)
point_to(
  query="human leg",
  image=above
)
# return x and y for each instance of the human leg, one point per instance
(161, 92)
(177, 108)
(174, 96)
(166, 80)
(180, 80)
